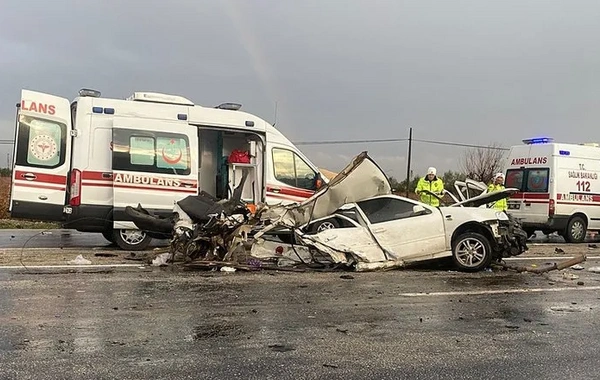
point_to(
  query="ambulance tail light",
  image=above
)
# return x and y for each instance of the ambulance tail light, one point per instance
(75, 199)
(551, 207)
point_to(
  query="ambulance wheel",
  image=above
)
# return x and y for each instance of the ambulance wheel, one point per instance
(132, 240)
(108, 235)
(576, 230)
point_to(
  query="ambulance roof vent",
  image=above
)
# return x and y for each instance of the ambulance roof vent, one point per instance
(229, 106)
(155, 97)
(89, 92)
(538, 140)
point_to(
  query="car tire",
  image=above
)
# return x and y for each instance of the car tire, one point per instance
(131, 240)
(576, 230)
(108, 235)
(471, 252)
(323, 225)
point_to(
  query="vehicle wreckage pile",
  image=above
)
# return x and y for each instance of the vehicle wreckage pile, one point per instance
(353, 222)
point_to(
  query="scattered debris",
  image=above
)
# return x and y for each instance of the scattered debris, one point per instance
(228, 269)
(577, 267)
(101, 254)
(594, 269)
(161, 260)
(512, 327)
(571, 309)
(570, 276)
(527, 320)
(343, 331)
(347, 277)
(559, 250)
(79, 260)
(554, 266)
(593, 246)
(330, 365)
(580, 283)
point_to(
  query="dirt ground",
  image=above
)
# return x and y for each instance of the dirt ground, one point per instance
(4, 196)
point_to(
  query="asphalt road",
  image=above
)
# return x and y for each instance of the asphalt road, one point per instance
(58, 238)
(61, 238)
(160, 324)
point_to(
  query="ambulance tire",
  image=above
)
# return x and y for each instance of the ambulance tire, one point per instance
(576, 230)
(132, 240)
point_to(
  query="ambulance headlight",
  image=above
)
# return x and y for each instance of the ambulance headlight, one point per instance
(501, 215)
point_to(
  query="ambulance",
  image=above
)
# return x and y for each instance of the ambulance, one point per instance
(559, 187)
(82, 162)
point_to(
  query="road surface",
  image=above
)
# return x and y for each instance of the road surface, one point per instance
(160, 324)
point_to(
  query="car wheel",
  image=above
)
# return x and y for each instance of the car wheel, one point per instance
(326, 224)
(471, 252)
(132, 240)
(108, 235)
(576, 230)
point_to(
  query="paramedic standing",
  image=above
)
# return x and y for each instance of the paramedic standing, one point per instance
(433, 184)
(498, 185)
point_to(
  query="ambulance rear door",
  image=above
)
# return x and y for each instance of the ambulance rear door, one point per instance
(154, 163)
(41, 157)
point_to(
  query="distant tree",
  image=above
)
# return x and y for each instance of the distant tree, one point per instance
(450, 177)
(5, 172)
(482, 163)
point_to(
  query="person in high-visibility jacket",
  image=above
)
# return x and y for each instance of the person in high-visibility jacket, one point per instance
(498, 185)
(433, 184)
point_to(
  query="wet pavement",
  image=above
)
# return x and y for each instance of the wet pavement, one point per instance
(168, 323)
(63, 238)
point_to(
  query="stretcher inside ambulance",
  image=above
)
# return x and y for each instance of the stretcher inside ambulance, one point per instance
(82, 162)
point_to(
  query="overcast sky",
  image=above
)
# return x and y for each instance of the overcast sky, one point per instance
(461, 71)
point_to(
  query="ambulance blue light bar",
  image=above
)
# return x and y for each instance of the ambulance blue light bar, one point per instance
(538, 140)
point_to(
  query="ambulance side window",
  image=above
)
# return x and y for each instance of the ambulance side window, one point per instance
(41, 143)
(151, 152)
(514, 178)
(290, 169)
(537, 180)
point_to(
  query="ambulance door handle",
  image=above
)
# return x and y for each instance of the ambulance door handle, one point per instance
(275, 189)
(106, 175)
(29, 176)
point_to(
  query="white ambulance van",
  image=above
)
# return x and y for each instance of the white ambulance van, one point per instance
(560, 187)
(82, 162)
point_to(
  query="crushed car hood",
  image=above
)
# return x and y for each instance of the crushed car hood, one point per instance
(486, 198)
(361, 179)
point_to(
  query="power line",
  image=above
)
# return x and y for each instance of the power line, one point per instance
(460, 144)
(339, 142)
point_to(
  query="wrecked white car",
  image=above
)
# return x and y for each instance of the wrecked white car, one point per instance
(356, 221)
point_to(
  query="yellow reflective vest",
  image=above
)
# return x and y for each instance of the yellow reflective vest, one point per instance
(436, 186)
(500, 205)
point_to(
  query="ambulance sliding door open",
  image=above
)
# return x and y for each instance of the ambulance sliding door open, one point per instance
(224, 157)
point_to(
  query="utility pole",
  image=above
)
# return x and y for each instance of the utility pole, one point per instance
(408, 161)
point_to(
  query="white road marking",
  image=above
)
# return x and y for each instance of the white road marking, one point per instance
(68, 266)
(498, 291)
